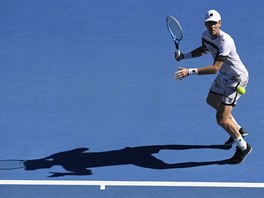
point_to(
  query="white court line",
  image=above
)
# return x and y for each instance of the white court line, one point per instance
(103, 184)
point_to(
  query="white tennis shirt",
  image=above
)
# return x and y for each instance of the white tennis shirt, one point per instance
(223, 48)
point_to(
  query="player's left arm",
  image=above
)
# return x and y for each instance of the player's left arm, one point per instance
(211, 69)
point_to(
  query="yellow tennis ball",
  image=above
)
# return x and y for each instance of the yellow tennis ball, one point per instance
(241, 90)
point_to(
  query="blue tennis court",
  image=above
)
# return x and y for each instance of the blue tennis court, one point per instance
(89, 84)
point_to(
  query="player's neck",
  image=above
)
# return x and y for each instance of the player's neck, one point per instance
(215, 36)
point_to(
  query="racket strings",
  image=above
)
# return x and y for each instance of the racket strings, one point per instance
(174, 28)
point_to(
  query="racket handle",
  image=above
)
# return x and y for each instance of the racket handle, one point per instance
(178, 52)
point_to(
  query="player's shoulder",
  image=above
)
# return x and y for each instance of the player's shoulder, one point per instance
(222, 37)
(225, 37)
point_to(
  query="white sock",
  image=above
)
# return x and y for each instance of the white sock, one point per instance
(241, 143)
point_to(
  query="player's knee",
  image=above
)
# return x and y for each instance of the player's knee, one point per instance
(222, 121)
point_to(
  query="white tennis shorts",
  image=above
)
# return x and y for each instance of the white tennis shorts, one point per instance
(227, 89)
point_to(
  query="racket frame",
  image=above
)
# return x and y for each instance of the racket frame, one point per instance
(178, 25)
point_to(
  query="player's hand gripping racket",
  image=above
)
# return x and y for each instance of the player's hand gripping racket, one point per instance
(176, 32)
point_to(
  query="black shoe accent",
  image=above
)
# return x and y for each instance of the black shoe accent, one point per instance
(243, 132)
(240, 155)
(231, 141)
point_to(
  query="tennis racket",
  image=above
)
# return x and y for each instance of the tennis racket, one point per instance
(175, 30)
(11, 164)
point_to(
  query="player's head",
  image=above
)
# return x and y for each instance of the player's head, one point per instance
(213, 22)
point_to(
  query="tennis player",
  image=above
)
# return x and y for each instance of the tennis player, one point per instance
(232, 73)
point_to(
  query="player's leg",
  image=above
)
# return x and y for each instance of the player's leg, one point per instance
(242, 131)
(223, 119)
(230, 96)
(223, 98)
(213, 99)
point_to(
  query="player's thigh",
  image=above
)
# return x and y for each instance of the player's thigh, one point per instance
(213, 99)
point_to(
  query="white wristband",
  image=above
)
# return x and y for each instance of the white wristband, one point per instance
(193, 71)
(187, 55)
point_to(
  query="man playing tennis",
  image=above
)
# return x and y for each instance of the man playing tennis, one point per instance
(231, 74)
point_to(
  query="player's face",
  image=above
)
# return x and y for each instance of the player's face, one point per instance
(213, 28)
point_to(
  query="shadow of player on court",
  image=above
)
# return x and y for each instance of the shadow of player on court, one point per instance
(78, 161)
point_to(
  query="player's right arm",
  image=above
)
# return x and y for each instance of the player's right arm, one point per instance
(193, 54)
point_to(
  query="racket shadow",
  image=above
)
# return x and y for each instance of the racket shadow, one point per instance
(79, 161)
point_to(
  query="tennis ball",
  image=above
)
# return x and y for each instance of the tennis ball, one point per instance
(241, 90)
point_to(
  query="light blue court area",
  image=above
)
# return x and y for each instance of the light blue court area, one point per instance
(87, 94)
